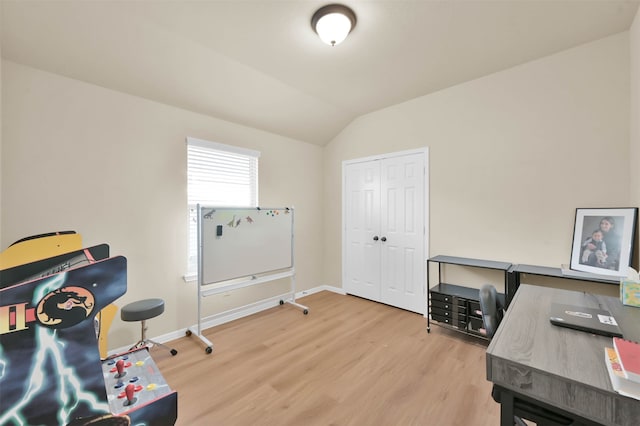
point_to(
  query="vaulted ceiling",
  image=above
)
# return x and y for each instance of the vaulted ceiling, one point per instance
(258, 63)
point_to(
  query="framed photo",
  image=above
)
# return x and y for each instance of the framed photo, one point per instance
(603, 240)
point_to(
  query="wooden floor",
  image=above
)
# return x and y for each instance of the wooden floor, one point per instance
(349, 362)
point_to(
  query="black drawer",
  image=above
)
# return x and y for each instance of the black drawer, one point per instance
(447, 298)
(475, 313)
(450, 321)
(446, 306)
(474, 306)
(446, 314)
(475, 324)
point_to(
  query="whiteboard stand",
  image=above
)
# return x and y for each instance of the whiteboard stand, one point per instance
(292, 301)
(269, 239)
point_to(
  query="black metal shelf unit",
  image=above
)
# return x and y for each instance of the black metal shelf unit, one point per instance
(457, 306)
(545, 271)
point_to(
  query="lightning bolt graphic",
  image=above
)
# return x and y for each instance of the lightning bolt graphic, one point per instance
(48, 348)
(3, 364)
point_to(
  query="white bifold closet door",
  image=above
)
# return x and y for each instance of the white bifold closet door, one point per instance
(384, 230)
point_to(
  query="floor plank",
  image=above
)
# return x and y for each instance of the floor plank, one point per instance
(349, 362)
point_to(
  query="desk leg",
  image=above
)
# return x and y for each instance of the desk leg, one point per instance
(506, 409)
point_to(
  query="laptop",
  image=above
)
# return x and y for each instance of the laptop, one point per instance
(591, 320)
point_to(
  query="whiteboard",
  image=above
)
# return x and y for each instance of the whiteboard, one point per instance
(242, 242)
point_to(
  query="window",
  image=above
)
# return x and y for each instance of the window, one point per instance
(217, 175)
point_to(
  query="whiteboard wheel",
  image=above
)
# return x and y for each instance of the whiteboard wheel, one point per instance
(188, 332)
(306, 311)
(282, 302)
(208, 350)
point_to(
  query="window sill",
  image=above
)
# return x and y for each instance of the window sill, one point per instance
(189, 278)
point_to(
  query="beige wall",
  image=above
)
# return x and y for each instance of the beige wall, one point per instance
(113, 167)
(511, 155)
(634, 157)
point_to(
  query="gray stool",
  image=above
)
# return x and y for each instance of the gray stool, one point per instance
(143, 310)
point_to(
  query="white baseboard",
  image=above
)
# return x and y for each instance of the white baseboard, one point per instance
(321, 288)
(234, 314)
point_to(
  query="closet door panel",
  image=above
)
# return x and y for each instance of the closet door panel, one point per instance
(362, 262)
(402, 225)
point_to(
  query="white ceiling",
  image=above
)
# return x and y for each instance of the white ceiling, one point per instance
(258, 62)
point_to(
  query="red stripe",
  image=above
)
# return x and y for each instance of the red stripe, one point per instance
(30, 315)
(89, 256)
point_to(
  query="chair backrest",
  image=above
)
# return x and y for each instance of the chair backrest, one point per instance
(492, 309)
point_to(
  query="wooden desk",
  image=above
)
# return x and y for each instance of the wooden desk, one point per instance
(559, 368)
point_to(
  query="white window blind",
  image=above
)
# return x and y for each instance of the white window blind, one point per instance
(217, 175)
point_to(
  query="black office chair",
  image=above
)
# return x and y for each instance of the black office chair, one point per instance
(492, 310)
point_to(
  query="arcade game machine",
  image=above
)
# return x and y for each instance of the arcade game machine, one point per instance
(51, 372)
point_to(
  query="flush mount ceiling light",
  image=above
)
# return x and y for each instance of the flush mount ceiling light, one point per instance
(333, 23)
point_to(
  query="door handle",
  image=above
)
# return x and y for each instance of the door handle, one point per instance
(383, 239)
(375, 238)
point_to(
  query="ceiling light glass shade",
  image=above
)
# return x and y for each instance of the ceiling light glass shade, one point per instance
(333, 28)
(333, 23)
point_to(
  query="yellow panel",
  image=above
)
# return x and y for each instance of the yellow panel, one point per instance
(107, 314)
(39, 248)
